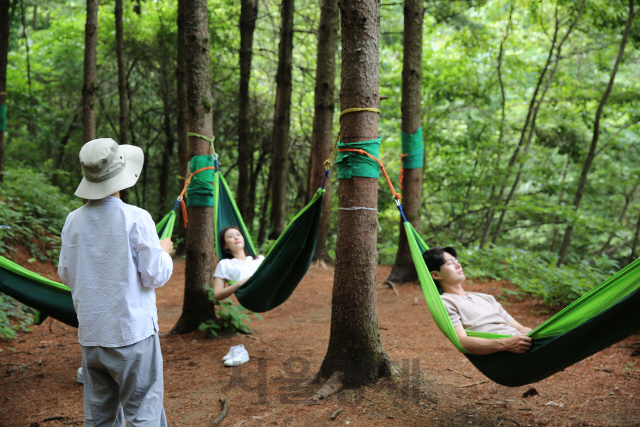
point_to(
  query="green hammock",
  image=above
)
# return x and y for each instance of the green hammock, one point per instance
(48, 297)
(605, 315)
(288, 260)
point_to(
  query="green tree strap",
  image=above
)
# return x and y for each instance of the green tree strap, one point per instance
(354, 164)
(413, 148)
(3, 117)
(200, 190)
(209, 140)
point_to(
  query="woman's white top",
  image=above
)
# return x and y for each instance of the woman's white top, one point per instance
(233, 269)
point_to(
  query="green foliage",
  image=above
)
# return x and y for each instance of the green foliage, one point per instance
(468, 143)
(32, 213)
(13, 317)
(537, 273)
(231, 318)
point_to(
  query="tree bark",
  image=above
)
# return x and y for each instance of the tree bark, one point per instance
(566, 241)
(182, 119)
(5, 19)
(89, 76)
(322, 134)
(281, 122)
(262, 227)
(403, 269)
(248, 16)
(165, 174)
(197, 307)
(355, 353)
(122, 75)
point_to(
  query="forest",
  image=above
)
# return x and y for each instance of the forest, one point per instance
(509, 129)
(511, 93)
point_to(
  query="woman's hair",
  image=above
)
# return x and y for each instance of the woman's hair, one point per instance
(434, 258)
(225, 252)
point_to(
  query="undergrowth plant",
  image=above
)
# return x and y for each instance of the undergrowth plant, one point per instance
(32, 213)
(538, 273)
(13, 317)
(231, 318)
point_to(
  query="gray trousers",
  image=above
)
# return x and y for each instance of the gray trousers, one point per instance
(124, 382)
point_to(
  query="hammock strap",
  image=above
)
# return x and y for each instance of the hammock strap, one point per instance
(397, 196)
(181, 198)
(327, 163)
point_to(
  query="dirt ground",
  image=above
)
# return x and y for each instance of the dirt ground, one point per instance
(439, 387)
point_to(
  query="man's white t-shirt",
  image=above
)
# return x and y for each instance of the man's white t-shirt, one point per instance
(479, 313)
(233, 269)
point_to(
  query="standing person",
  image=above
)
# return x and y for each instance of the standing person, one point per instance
(234, 269)
(112, 260)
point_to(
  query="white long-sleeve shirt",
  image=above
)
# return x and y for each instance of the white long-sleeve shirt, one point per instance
(112, 260)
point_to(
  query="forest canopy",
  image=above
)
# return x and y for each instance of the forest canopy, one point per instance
(510, 95)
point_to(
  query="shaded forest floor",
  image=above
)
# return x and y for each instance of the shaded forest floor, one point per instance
(439, 387)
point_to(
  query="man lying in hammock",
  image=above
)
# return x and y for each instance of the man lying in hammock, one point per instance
(473, 311)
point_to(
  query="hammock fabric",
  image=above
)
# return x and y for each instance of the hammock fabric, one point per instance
(605, 315)
(48, 297)
(288, 260)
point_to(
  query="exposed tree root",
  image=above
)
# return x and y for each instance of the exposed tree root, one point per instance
(223, 414)
(333, 385)
(391, 285)
(313, 380)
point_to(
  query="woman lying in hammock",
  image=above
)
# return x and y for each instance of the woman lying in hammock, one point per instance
(473, 311)
(235, 266)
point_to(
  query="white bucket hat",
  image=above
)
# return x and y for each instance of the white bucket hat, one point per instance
(108, 168)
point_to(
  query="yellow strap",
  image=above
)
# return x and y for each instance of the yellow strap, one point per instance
(327, 163)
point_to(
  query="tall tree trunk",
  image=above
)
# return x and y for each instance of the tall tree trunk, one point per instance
(532, 126)
(565, 168)
(628, 198)
(355, 355)
(55, 179)
(248, 16)
(489, 216)
(322, 134)
(596, 134)
(182, 119)
(122, 75)
(403, 269)
(123, 116)
(5, 19)
(89, 76)
(165, 171)
(281, 121)
(262, 227)
(32, 115)
(634, 245)
(532, 103)
(199, 265)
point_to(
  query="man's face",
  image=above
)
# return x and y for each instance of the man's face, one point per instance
(450, 272)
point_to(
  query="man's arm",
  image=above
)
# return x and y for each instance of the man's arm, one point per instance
(515, 344)
(523, 329)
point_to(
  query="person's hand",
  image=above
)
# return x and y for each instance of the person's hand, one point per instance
(167, 245)
(518, 344)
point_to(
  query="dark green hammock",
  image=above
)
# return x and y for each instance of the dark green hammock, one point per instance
(51, 298)
(274, 281)
(288, 260)
(603, 316)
